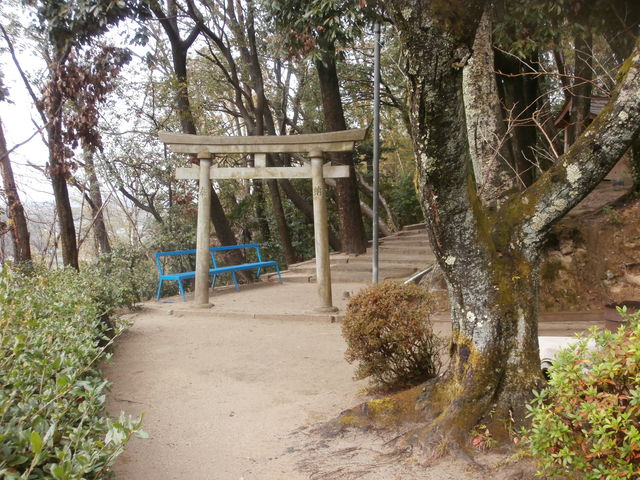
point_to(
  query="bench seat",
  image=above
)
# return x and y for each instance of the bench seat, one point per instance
(216, 270)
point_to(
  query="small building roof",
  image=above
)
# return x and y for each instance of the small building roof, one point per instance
(563, 120)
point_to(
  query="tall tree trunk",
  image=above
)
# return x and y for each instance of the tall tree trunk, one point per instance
(182, 102)
(581, 87)
(352, 232)
(489, 256)
(17, 220)
(102, 244)
(259, 204)
(179, 49)
(59, 168)
(493, 319)
(635, 164)
(518, 90)
(262, 108)
(490, 158)
(290, 254)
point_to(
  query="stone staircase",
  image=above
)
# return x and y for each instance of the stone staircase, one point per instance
(400, 256)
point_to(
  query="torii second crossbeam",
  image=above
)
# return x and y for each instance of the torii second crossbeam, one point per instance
(314, 145)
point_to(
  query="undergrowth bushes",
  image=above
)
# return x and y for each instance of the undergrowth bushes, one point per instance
(586, 423)
(122, 278)
(52, 394)
(389, 334)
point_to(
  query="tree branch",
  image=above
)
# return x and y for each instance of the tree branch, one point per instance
(25, 80)
(590, 158)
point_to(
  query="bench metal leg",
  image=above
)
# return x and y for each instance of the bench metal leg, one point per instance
(213, 282)
(184, 298)
(278, 270)
(159, 290)
(235, 280)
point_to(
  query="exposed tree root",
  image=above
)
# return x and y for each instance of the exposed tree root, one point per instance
(435, 420)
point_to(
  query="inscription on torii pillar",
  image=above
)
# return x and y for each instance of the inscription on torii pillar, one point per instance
(314, 145)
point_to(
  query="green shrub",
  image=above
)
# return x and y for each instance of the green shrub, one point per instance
(389, 334)
(404, 201)
(52, 394)
(122, 278)
(585, 424)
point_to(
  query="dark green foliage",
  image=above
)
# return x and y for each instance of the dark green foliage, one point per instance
(76, 22)
(523, 26)
(307, 27)
(52, 393)
(403, 200)
(389, 334)
(122, 278)
(586, 422)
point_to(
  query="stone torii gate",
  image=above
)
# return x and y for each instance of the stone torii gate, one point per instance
(314, 145)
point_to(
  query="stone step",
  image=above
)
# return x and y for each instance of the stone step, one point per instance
(367, 266)
(416, 240)
(401, 246)
(408, 233)
(391, 268)
(415, 226)
(365, 277)
(348, 277)
(400, 255)
(336, 258)
(292, 277)
(391, 260)
(395, 257)
(404, 254)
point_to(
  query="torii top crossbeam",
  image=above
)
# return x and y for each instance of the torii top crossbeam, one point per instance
(342, 141)
(315, 145)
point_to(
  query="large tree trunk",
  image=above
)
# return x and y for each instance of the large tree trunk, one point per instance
(493, 325)
(259, 204)
(489, 256)
(17, 220)
(488, 140)
(635, 164)
(102, 244)
(179, 49)
(518, 90)
(59, 168)
(353, 236)
(290, 254)
(262, 108)
(581, 87)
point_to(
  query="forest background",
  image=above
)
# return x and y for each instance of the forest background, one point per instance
(97, 94)
(498, 118)
(212, 68)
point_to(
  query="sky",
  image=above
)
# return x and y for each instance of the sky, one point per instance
(17, 120)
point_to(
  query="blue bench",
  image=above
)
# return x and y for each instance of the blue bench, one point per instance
(217, 269)
(232, 269)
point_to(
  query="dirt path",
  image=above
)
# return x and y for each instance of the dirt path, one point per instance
(233, 392)
(220, 395)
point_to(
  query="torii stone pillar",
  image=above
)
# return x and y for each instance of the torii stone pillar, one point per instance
(321, 234)
(201, 289)
(315, 145)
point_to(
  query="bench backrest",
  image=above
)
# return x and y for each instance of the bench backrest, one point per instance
(159, 255)
(226, 248)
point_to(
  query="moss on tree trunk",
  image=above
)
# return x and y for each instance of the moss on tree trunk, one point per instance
(489, 254)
